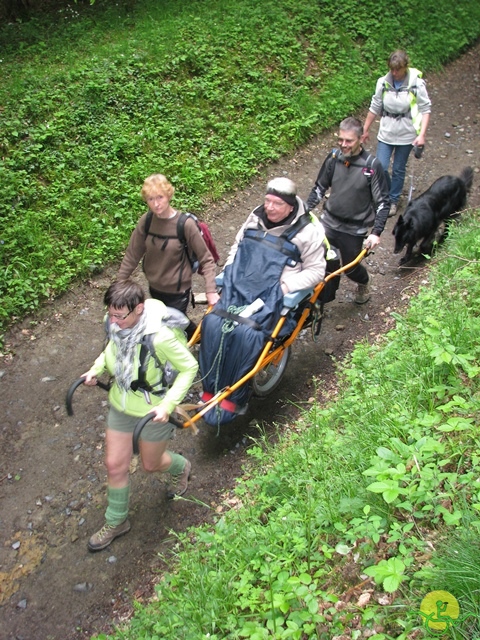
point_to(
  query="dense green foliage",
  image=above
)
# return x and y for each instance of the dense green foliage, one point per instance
(93, 99)
(362, 488)
(207, 92)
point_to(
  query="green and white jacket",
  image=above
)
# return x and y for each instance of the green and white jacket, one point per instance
(169, 345)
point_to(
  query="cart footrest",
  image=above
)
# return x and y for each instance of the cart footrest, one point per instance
(228, 405)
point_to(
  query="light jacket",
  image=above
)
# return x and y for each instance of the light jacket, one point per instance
(169, 344)
(386, 100)
(310, 241)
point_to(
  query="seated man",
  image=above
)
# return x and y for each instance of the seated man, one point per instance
(279, 249)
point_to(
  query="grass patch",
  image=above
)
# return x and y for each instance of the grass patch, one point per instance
(93, 99)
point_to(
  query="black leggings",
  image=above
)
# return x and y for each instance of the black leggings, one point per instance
(176, 301)
(349, 247)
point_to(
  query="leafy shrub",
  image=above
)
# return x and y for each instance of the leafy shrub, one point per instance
(204, 92)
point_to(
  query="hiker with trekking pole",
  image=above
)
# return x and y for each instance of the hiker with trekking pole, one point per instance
(402, 102)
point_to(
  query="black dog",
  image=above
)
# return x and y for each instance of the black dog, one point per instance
(424, 216)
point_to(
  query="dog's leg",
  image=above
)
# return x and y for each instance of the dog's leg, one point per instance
(427, 244)
(408, 254)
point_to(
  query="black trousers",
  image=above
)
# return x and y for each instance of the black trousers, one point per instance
(349, 247)
(177, 301)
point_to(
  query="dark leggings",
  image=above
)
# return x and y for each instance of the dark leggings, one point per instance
(177, 301)
(349, 247)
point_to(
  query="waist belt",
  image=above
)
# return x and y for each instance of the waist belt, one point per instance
(396, 115)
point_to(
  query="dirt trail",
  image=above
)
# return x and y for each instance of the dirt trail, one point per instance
(51, 471)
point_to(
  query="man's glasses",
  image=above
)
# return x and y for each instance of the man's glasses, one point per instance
(116, 316)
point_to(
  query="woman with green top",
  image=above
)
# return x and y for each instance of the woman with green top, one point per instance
(134, 321)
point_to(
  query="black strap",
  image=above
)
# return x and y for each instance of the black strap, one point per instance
(148, 222)
(297, 226)
(396, 115)
(141, 381)
(236, 318)
(147, 348)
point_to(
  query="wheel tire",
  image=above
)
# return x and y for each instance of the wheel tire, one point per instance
(268, 379)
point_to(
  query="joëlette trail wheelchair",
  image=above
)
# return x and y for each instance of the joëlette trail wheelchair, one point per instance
(307, 307)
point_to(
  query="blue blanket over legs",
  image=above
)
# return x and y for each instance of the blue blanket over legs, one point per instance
(229, 348)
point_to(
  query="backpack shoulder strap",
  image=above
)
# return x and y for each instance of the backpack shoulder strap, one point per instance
(148, 222)
(368, 173)
(335, 155)
(168, 372)
(146, 349)
(182, 218)
(369, 161)
(297, 226)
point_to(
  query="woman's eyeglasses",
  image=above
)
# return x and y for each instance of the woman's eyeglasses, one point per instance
(116, 316)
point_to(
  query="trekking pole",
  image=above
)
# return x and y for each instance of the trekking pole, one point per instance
(417, 152)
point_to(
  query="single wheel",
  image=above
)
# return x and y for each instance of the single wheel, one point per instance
(270, 377)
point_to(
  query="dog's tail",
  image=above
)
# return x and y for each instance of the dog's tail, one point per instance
(466, 176)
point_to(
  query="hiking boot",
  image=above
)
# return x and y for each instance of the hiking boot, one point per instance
(393, 209)
(106, 535)
(363, 293)
(180, 482)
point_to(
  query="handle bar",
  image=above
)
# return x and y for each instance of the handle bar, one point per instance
(143, 422)
(74, 387)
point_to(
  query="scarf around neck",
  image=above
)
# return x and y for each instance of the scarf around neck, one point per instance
(126, 341)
